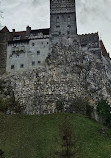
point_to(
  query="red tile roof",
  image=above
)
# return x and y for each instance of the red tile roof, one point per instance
(23, 34)
(104, 51)
(4, 30)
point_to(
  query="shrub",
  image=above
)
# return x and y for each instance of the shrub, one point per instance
(81, 105)
(3, 105)
(78, 105)
(103, 110)
(10, 104)
(59, 106)
(89, 110)
(2, 82)
(13, 105)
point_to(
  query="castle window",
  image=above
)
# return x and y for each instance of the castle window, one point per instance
(33, 63)
(12, 66)
(13, 52)
(57, 22)
(33, 44)
(69, 21)
(16, 37)
(68, 32)
(38, 52)
(39, 62)
(22, 51)
(22, 65)
(17, 55)
(59, 33)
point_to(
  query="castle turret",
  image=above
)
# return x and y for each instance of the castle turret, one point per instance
(4, 35)
(62, 20)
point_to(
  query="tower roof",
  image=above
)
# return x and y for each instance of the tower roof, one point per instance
(4, 30)
(104, 51)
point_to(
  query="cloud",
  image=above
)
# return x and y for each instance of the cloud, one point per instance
(39, 2)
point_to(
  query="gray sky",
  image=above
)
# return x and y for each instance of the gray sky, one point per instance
(92, 16)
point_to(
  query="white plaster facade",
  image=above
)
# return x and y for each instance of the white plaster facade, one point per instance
(28, 54)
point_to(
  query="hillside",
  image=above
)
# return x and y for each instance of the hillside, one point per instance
(38, 136)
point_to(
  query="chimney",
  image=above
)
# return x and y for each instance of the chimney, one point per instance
(28, 30)
(13, 30)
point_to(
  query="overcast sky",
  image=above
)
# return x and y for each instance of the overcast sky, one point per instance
(92, 16)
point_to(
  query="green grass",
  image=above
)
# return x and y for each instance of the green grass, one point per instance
(38, 136)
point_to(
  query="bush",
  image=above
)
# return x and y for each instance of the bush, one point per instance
(3, 105)
(78, 105)
(89, 110)
(81, 105)
(10, 104)
(59, 106)
(13, 105)
(103, 110)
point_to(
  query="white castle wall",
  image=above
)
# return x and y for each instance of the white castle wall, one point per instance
(31, 55)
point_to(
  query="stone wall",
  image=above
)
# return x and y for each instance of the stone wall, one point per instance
(67, 74)
(3, 51)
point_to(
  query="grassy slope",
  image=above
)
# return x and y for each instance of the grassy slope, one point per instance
(37, 136)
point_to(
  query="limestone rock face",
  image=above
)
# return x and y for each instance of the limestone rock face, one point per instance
(67, 74)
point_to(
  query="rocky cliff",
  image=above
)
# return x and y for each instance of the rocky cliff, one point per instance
(67, 74)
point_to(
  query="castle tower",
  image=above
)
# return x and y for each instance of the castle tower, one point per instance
(62, 20)
(4, 36)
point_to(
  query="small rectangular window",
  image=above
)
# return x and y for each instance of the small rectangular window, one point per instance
(33, 63)
(69, 26)
(17, 55)
(22, 65)
(57, 25)
(13, 52)
(59, 33)
(38, 52)
(68, 32)
(39, 62)
(33, 44)
(12, 66)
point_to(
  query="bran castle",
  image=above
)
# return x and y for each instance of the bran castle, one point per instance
(29, 49)
(53, 64)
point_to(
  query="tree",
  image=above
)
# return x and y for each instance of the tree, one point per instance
(103, 110)
(69, 147)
